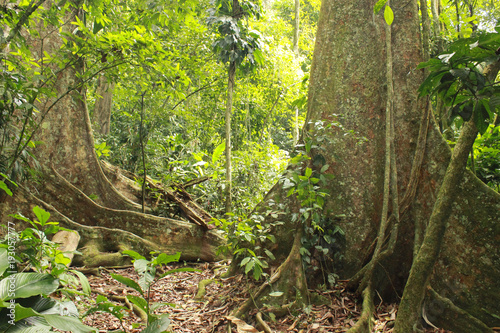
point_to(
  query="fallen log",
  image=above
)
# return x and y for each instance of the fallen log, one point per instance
(191, 211)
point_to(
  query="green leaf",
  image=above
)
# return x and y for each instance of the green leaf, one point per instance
(244, 261)
(133, 254)
(249, 266)
(324, 168)
(139, 301)
(481, 117)
(83, 281)
(158, 326)
(4, 260)
(67, 323)
(276, 294)
(4, 187)
(269, 254)
(218, 152)
(128, 282)
(146, 280)
(308, 172)
(259, 58)
(141, 265)
(165, 259)
(379, 5)
(42, 215)
(27, 285)
(177, 270)
(388, 15)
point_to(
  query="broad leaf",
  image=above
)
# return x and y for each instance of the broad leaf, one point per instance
(139, 301)
(4, 187)
(41, 214)
(177, 270)
(379, 5)
(133, 254)
(158, 326)
(388, 15)
(218, 152)
(4, 260)
(27, 285)
(83, 281)
(67, 323)
(128, 282)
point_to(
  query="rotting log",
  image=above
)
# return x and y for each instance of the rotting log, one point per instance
(193, 212)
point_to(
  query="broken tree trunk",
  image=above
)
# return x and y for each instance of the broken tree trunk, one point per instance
(193, 212)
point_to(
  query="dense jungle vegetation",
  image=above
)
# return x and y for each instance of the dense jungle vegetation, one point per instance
(200, 114)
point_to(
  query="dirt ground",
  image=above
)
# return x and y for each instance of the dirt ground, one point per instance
(209, 314)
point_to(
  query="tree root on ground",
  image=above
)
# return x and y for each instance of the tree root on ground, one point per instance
(365, 322)
(202, 288)
(115, 229)
(262, 323)
(289, 279)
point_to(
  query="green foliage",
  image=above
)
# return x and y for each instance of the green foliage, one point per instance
(305, 181)
(24, 297)
(101, 149)
(245, 236)
(35, 251)
(25, 308)
(457, 79)
(487, 158)
(236, 42)
(147, 270)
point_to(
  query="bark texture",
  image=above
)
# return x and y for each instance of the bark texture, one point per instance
(103, 105)
(347, 85)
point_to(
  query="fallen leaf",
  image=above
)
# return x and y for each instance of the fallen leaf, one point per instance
(241, 326)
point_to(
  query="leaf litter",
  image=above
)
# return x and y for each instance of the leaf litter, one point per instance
(212, 314)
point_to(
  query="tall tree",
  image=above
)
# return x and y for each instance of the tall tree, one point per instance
(237, 43)
(349, 87)
(70, 182)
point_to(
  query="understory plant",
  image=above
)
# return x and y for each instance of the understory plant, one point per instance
(148, 277)
(245, 236)
(31, 269)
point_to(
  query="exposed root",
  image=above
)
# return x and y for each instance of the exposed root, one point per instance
(451, 316)
(289, 279)
(202, 289)
(262, 323)
(365, 322)
(114, 228)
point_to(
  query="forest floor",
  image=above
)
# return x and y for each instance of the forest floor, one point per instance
(208, 315)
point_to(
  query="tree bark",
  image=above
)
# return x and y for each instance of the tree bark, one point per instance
(103, 105)
(296, 31)
(411, 304)
(346, 86)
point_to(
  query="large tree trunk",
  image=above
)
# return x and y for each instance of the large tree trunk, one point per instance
(348, 85)
(72, 185)
(103, 105)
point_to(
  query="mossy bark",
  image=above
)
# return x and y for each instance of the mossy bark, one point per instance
(423, 264)
(347, 85)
